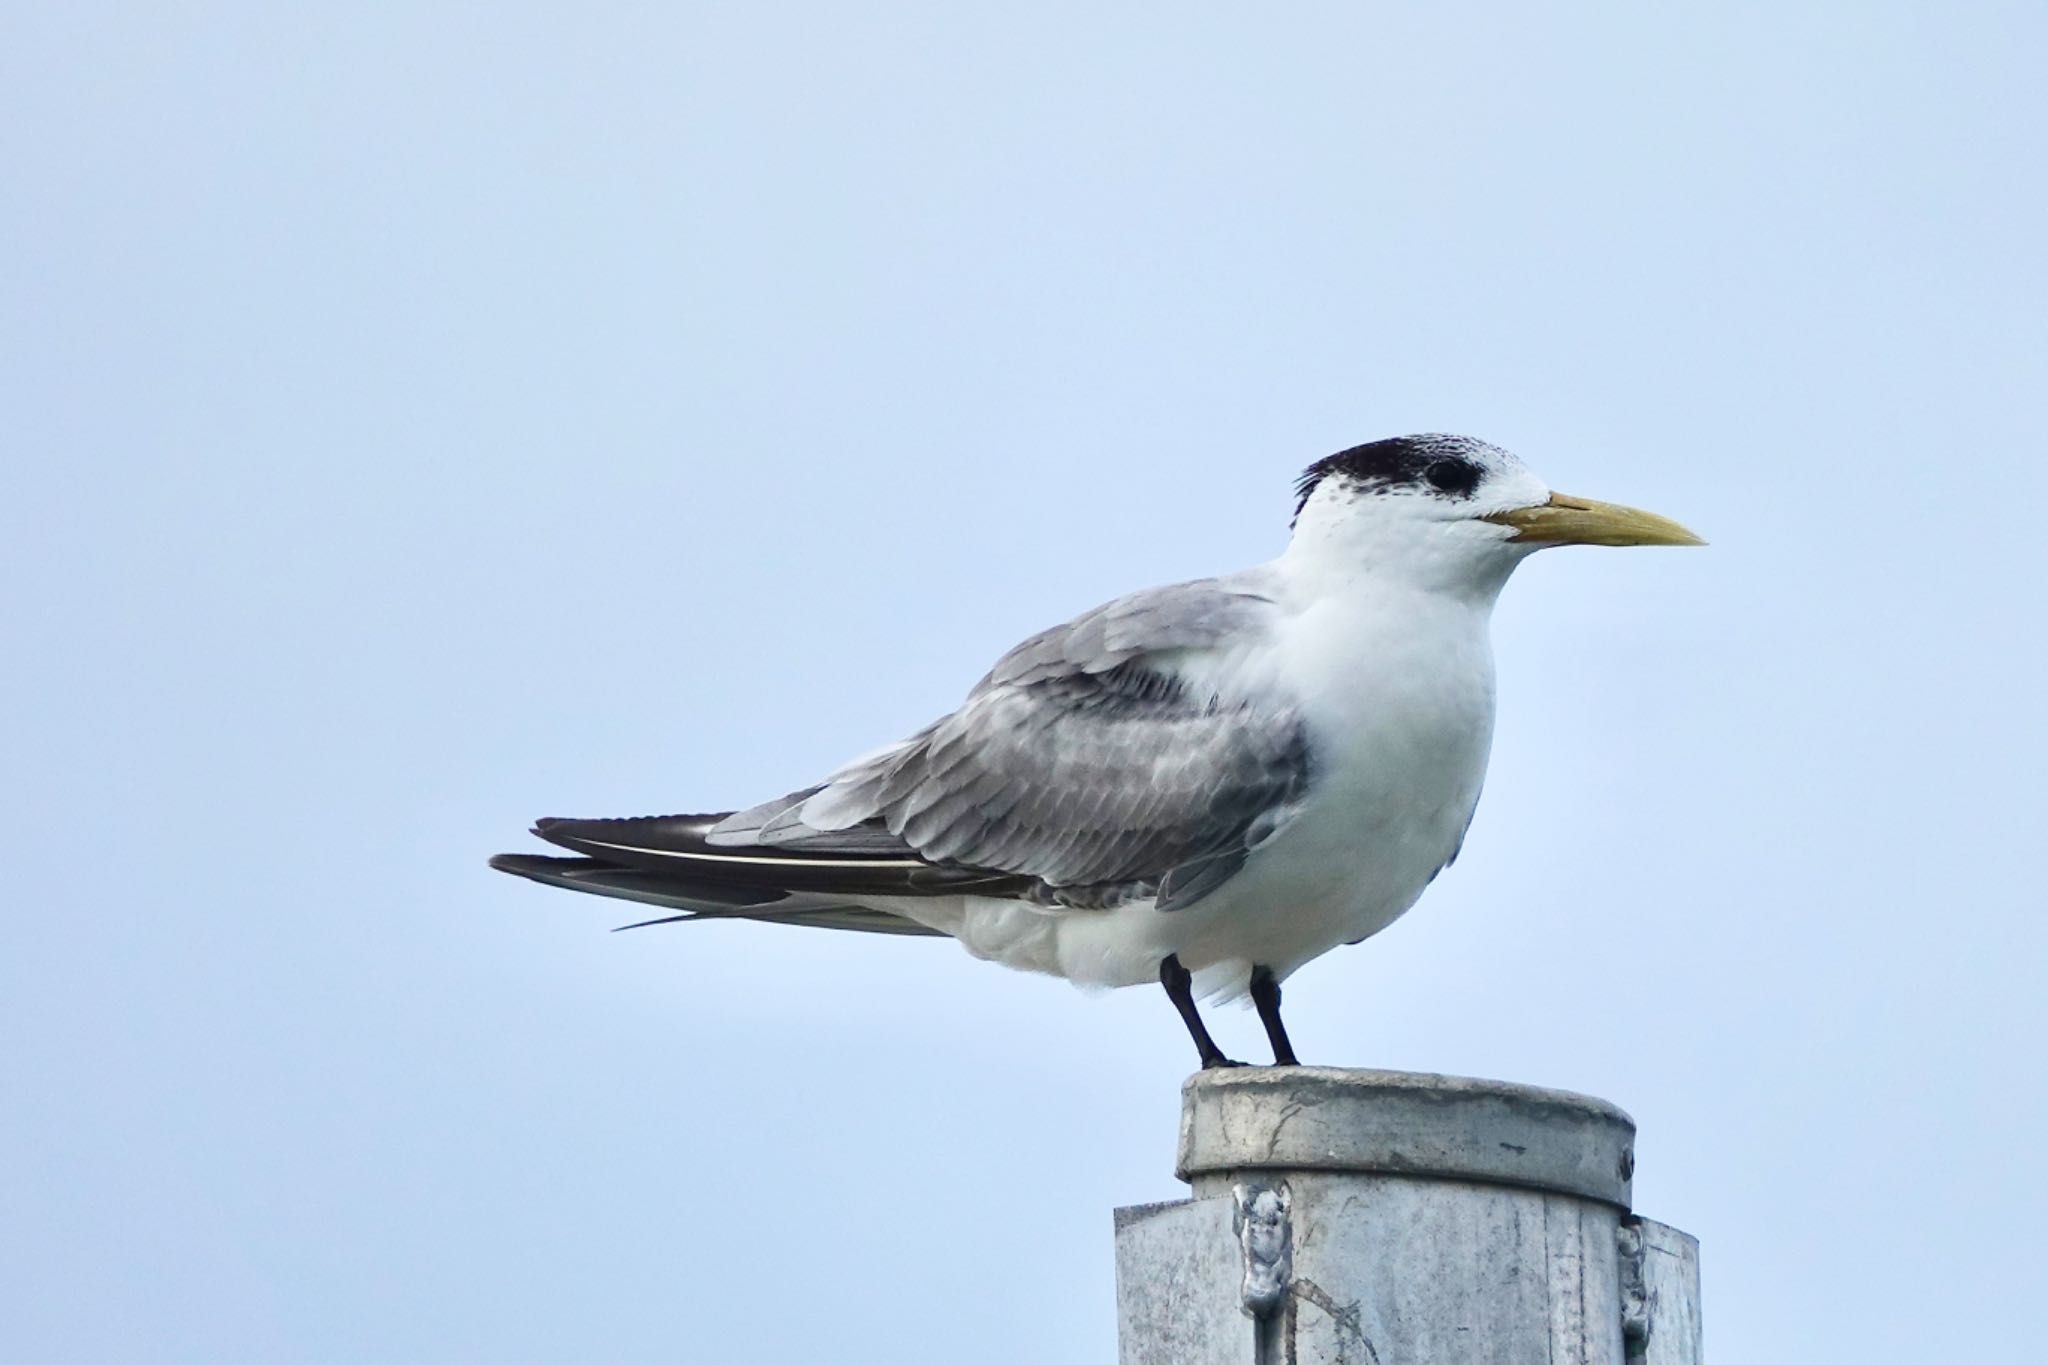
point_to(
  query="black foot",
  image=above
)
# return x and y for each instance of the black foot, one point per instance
(1266, 996)
(1179, 989)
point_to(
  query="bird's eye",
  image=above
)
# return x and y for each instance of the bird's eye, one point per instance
(1452, 476)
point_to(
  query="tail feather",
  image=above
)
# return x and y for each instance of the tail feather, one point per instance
(695, 898)
(866, 862)
(823, 880)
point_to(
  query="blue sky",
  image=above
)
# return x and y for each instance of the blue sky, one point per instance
(421, 418)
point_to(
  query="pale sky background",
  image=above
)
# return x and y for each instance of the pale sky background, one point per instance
(421, 418)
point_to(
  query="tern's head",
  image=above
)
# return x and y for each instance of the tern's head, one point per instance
(1450, 512)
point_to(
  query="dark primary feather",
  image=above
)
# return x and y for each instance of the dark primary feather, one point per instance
(673, 848)
(697, 900)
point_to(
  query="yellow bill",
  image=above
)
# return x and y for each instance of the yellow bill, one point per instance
(1566, 520)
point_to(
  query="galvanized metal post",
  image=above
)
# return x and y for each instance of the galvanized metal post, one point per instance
(1375, 1217)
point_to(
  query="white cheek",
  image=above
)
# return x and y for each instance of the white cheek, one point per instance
(1519, 489)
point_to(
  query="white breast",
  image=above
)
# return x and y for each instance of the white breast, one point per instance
(1399, 700)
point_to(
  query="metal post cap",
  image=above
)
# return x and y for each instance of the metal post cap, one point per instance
(1300, 1118)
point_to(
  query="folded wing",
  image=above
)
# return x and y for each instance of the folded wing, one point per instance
(1097, 763)
(1093, 760)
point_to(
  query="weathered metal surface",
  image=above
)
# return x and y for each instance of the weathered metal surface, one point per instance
(1371, 1218)
(1398, 1122)
(1667, 1279)
(1179, 1285)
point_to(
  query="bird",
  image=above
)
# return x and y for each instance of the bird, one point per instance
(1204, 785)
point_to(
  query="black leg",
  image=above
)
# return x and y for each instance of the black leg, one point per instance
(1178, 982)
(1266, 995)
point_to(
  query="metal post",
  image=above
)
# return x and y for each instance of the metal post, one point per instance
(1376, 1217)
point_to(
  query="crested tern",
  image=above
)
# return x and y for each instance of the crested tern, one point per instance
(1204, 785)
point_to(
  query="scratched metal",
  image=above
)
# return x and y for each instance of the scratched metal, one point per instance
(1427, 1219)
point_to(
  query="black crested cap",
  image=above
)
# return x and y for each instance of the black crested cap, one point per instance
(1432, 463)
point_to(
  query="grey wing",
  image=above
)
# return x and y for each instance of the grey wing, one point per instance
(1202, 614)
(1087, 760)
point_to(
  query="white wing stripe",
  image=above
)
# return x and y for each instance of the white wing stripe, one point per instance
(764, 862)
